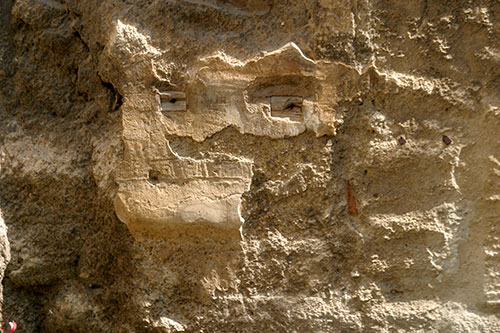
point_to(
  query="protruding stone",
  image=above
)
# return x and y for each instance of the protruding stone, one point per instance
(185, 192)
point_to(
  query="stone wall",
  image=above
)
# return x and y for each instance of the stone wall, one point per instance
(245, 166)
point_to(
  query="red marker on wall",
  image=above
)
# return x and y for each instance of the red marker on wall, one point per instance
(351, 201)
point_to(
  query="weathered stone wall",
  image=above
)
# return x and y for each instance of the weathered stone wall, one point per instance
(242, 166)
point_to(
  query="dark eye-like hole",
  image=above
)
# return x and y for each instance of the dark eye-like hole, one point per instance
(154, 177)
(173, 100)
(292, 106)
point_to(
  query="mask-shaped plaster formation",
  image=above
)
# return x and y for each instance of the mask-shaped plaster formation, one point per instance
(251, 95)
(174, 190)
(276, 94)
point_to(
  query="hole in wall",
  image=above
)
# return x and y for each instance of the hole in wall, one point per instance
(154, 177)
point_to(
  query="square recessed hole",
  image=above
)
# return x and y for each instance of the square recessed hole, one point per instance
(287, 107)
(171, 101)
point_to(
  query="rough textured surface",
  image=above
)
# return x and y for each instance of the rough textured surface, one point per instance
(241, 166)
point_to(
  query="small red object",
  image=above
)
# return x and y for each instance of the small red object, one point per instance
(13, 327)
(351, 201)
